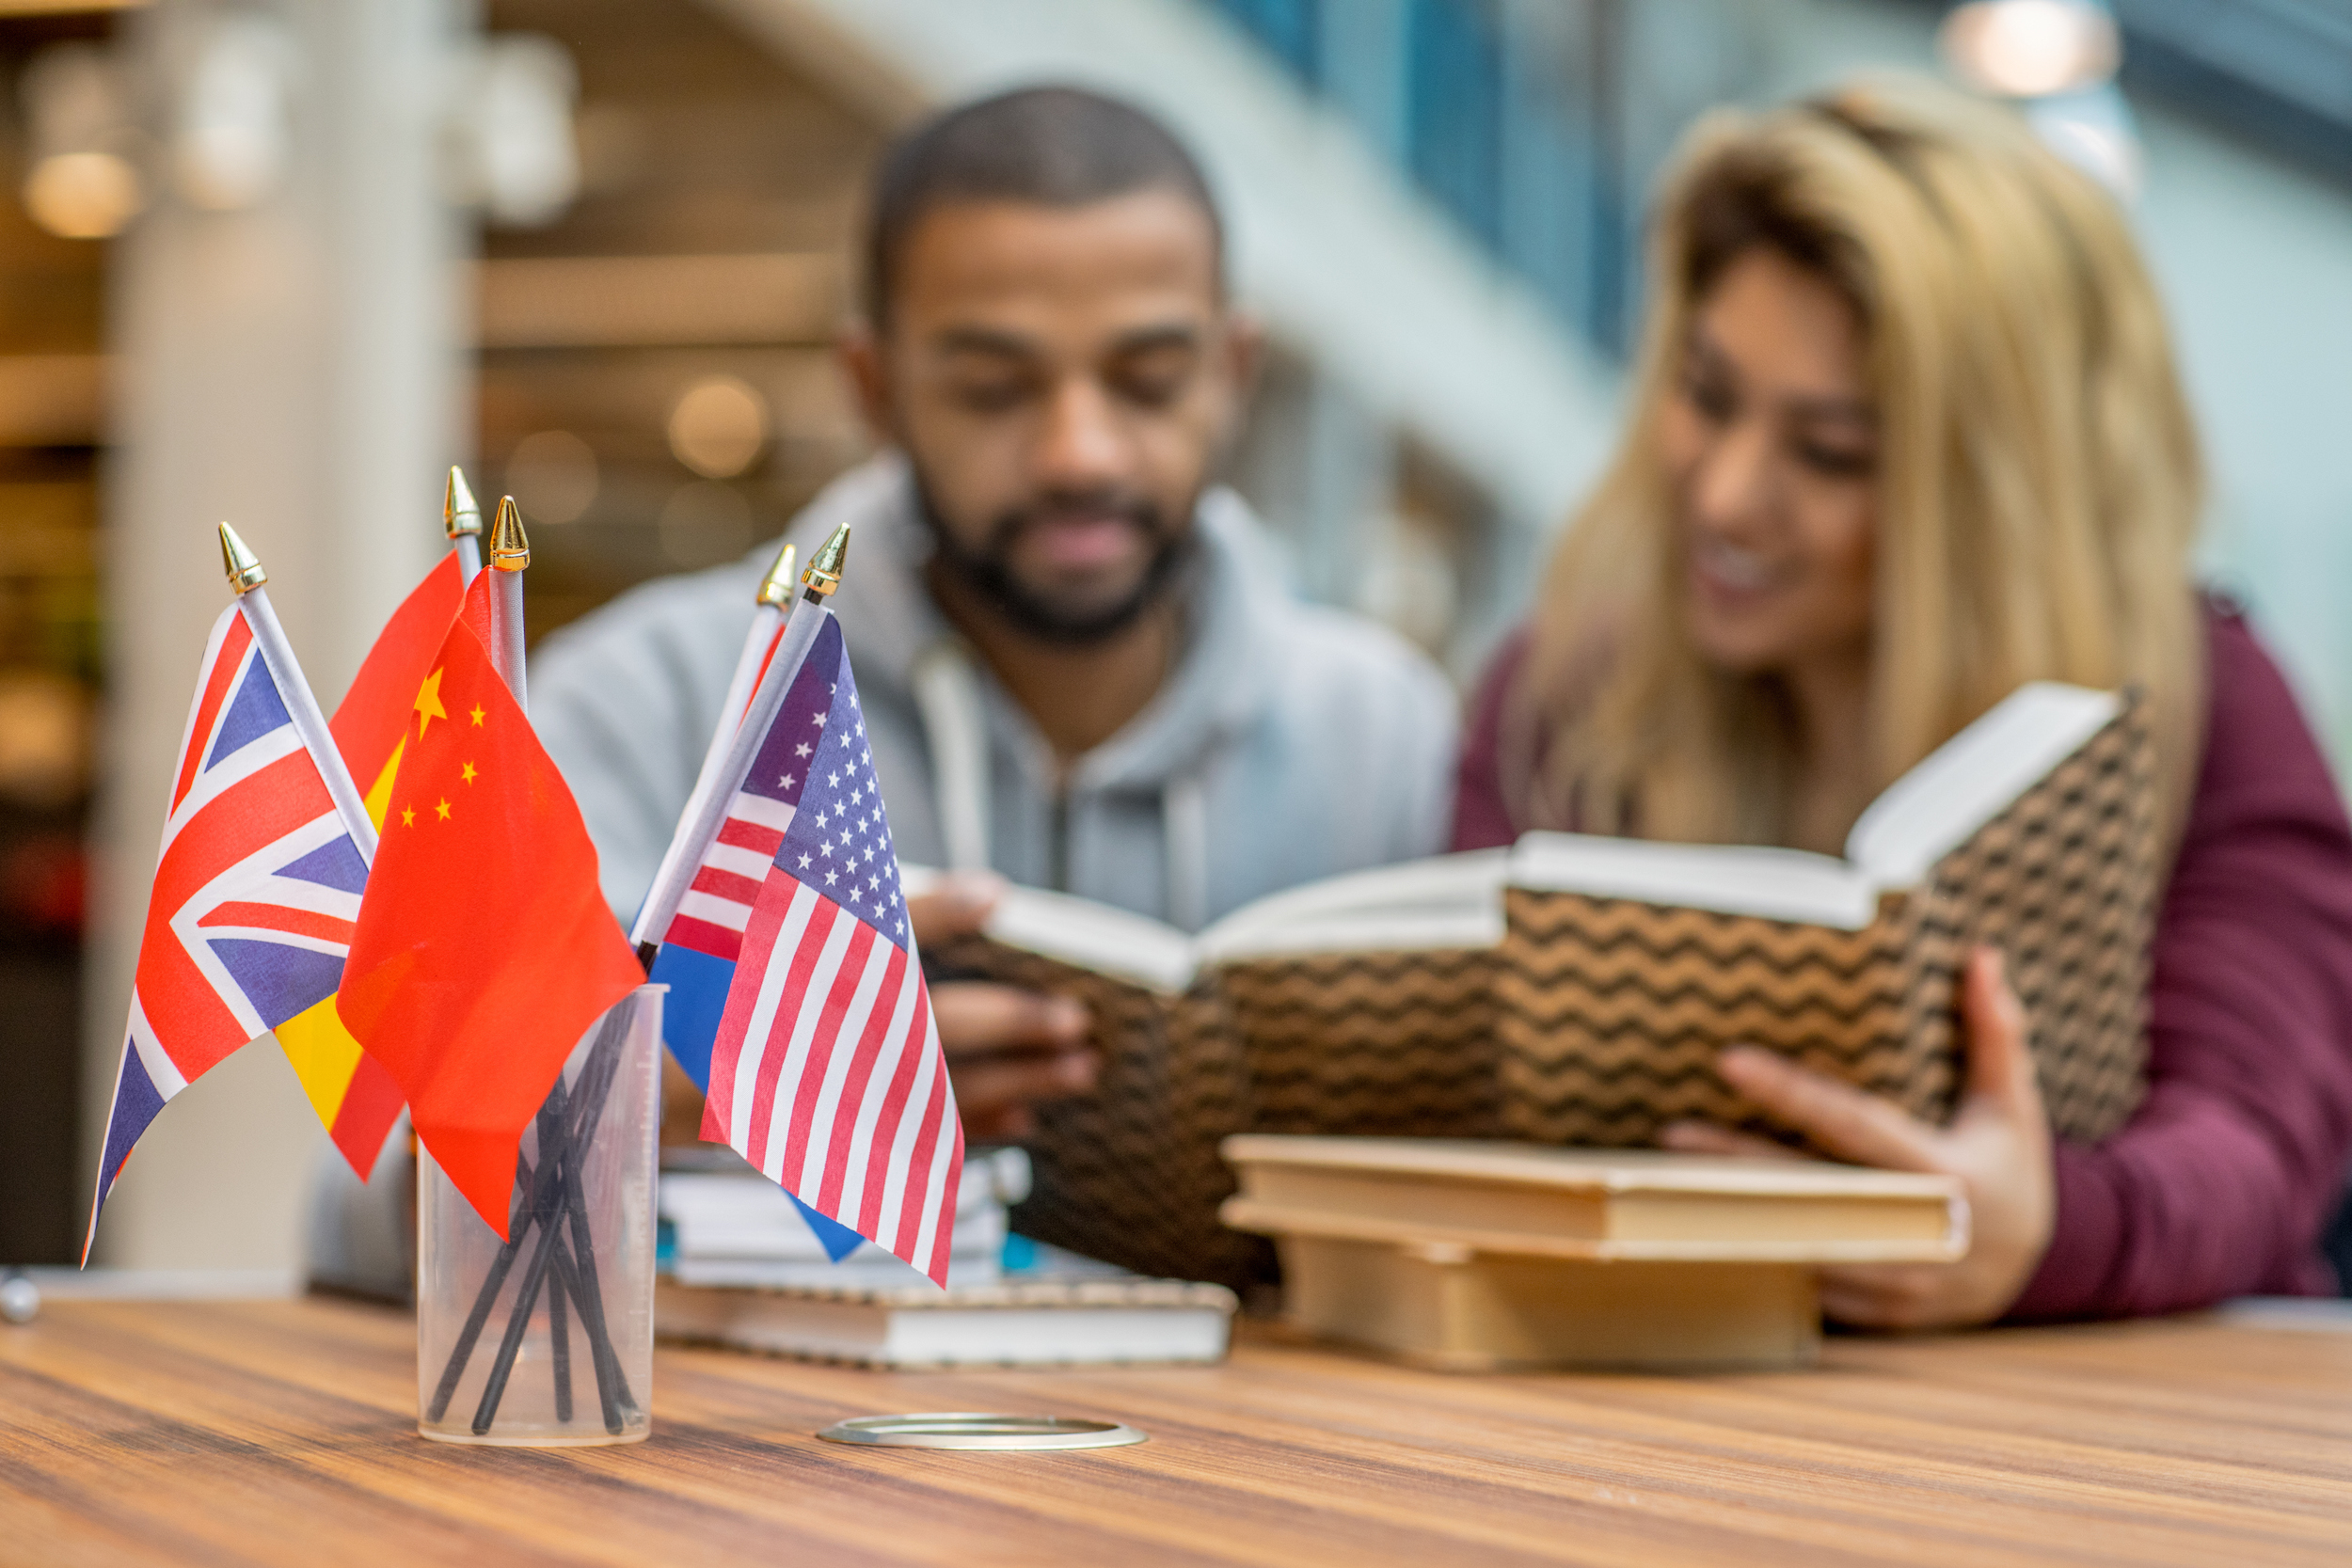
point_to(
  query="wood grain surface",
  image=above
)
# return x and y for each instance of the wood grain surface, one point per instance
(283, 1433)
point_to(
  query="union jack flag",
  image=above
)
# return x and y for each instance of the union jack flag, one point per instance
(826, 1071)
(256, 887)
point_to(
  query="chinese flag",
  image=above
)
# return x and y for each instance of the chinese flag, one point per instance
(484, 948)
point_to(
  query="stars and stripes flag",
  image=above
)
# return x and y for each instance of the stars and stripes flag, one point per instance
(826, 1071)
(257, 888)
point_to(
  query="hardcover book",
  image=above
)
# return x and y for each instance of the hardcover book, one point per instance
(1575, 990)
(1486, 1256)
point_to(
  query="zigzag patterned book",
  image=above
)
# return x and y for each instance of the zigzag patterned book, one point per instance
(1575, 989)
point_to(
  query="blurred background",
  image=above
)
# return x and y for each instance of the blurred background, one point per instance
(282, 260)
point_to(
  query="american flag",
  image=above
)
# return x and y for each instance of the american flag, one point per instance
(257, 888)
(826, 1071)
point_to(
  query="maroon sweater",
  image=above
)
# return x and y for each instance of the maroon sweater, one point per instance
(2222, 1181)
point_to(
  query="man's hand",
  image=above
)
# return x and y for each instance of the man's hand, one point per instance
(1006, 1047)
(1998, 1145)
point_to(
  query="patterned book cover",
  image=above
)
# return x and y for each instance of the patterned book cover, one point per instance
(1610, 1011)
(1131, 1174)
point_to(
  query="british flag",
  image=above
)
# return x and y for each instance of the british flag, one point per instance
(826, 1071)
(256, 887)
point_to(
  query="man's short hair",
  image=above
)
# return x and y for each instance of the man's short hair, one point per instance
(1053, 146)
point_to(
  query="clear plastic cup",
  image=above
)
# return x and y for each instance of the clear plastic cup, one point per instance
(547, 1340)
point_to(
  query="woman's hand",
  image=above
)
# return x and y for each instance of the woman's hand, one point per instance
(1998, 1145)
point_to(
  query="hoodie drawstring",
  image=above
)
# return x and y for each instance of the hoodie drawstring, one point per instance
(1185, 825)
(947, 695)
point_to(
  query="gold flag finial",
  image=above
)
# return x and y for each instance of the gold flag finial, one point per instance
(460, 513)
(776, 587)
(510, 551)
(244, 569)
(824, 569)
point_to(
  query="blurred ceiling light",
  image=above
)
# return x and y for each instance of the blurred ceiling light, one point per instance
(82, 181)
(553, 476)
(83, 196)
(44, 738)
(719, 427)
(511, 148)
(233, 132)
(2031, 48)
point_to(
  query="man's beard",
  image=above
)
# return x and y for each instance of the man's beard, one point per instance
(989, 569)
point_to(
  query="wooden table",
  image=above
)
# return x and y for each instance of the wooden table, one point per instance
(284, 1433)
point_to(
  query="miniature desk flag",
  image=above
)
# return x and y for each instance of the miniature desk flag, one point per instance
(257, 886)
(484, 949)
(827, 1072)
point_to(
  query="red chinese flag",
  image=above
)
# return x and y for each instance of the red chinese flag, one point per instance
(484, 948)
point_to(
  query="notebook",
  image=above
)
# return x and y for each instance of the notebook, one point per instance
(1064, 1310)
(1575, 989)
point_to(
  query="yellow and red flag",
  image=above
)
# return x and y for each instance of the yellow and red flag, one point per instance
(353, 1096)
(484, 949)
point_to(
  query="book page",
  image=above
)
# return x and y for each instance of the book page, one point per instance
(1973, 778)
(1732, 878)
(1444, 901)
(1080, 932)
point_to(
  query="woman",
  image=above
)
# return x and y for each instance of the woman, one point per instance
(1907, 432)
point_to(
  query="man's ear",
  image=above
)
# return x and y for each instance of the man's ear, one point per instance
(867, 369)
(1245, 351)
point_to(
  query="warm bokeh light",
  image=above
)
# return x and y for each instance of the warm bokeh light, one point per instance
(718, 428)
(83, 196)
(552, 475)
(2031, 48)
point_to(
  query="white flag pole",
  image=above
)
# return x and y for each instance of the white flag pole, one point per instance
(700, 823)
(510, 552)
(768, 619)
(246, 576)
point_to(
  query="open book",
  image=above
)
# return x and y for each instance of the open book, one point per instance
(1577, 989)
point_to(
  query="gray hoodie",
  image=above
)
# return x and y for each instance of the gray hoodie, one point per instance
(1290, 741)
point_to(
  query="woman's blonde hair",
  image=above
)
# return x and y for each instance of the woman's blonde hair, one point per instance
(2038, 481)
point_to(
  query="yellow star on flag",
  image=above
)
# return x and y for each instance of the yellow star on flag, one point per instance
(469, 774)
(429, 703)
(477, 716)
(442, 811)
(407, 818)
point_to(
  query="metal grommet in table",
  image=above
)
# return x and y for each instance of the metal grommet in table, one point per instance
(968, 1429)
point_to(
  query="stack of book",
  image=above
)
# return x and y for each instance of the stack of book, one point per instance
(725, 1224)
(1487, 1257)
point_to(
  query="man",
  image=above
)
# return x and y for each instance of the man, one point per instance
(1076, 666)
